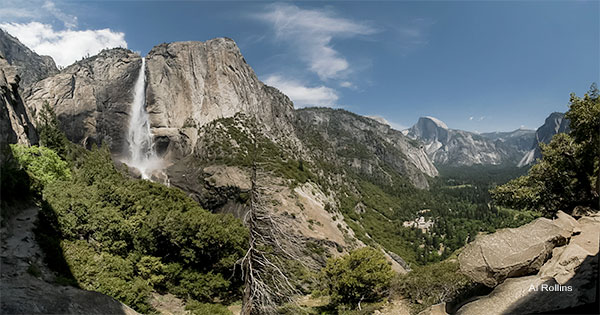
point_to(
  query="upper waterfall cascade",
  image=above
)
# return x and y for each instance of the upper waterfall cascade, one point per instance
(139, 136)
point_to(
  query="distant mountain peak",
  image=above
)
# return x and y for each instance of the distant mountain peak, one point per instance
(436, 121)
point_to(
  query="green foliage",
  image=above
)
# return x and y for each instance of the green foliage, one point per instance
(197, 308)
(107, 273)
(127, 237)
(570, 163)
(459, 205)
(42, 165)
(50, 134)
(362, 275)
(431, 284)
(239, 141)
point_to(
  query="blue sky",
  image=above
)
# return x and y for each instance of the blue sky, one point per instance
(478, 66)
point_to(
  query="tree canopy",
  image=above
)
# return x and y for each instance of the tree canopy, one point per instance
(564, 178)
(362, 275)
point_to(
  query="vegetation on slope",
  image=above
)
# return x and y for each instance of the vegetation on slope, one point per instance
(564, 178)
(126, 238)
(361, 276)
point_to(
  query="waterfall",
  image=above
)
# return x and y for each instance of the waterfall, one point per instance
(139, 136)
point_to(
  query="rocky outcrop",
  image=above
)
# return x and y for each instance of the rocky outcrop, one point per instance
(555, 123)
(30, 66)
(453, 147)
(193, 83)
(15, 121)
(567, 282)
(363, 144)
(492, 258)
(91, 98)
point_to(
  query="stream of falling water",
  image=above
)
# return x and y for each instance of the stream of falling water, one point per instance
(141, 148)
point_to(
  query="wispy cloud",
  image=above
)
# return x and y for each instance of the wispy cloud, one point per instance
(46, 11)
(411, 34)
(64, 46)
(70, 21)
(311, 33)
(301, 94)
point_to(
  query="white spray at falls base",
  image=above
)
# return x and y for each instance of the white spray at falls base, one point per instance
(141, 147)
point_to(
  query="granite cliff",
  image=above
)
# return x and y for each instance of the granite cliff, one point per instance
(454, 147)
(15, 122)
(30, 66)
(555, 123)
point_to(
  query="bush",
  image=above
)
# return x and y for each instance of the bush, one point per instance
(431, 284)
(126, 237)
(197, 308)
(362, 275)
(42, 165)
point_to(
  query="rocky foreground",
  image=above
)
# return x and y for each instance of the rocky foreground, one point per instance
(27, 284)
(544, 266)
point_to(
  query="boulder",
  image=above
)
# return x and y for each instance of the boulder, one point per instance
(566, 261)
(567, 282)
(512, 252)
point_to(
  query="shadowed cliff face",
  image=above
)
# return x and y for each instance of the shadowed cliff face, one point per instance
(15, 122)
(91, 98)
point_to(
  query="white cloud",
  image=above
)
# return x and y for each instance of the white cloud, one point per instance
(303, 95)
(471, 118)
(346, 84)
(66, 46)
(311, 32)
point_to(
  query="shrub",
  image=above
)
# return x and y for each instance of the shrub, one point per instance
(197, 308)
(125, 237)
(42, 165)
(431, 284)
(362, 275)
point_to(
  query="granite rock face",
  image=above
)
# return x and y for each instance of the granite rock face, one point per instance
(490, 259)
(15, 122)
(453, 147)
(193, 83)
(30, 66)
(555, 123)
(91, 98)
(364, 144)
